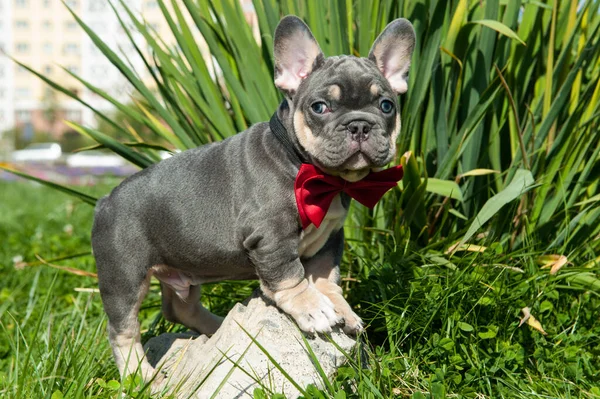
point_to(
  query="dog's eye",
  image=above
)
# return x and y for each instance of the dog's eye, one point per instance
(320, 107)
(386, 106)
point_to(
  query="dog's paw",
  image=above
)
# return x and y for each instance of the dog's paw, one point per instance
(353, 325)
(313, 311)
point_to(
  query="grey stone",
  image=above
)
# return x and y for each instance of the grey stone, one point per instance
(197, 366)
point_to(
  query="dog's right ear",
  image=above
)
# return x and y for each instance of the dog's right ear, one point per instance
(296, 53)
(392, 52)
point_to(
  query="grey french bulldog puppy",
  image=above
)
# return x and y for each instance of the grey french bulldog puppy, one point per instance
(227, 210)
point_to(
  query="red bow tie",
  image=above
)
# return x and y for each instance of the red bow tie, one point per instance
(315, 190)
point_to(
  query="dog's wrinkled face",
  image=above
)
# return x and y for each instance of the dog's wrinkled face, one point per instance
(345, 109)
(346, 116)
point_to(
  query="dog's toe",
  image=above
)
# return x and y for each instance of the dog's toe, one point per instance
(353, 324)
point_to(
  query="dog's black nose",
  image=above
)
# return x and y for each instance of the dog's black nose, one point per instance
(359, 130)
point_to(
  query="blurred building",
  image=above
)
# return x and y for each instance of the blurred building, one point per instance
(6, 67)
(44, 35)
(95, 67)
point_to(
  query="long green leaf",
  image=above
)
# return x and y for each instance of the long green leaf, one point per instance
(521, 183)
(500, 28)
(88, 199)
(445, 188)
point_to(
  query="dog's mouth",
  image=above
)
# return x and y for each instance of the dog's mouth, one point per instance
(354, 160)
(355, 168)
(357, 161)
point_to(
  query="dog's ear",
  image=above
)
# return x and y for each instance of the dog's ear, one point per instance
(392, 51)
(296, 52)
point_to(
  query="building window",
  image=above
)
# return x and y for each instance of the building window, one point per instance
(71, 48)
(21, 70)
(1, 71)
(2, 93)
(47, 25)
(47, 48)
(48, 69)
(21, 24)
(24, 116)
(73, 69)
(152, 4)
(22, 47)
(70, 25)
(47, 3)
(71, 3)
(21, 3)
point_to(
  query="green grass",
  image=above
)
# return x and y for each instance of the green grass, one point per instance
(502, 175)
(435, 324)
(51, 334)
(52, 328)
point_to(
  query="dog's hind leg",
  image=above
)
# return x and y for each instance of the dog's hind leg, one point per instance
(124, 335)
(181, 304)
(123, 260)
(122, 295)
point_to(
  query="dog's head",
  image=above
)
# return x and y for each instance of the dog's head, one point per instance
(345, 108)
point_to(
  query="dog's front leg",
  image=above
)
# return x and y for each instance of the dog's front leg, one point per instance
(282, 277)
(324, 274)
(313, 311)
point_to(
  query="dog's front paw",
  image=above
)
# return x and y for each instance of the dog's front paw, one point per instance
(352, 323)
(312, 310)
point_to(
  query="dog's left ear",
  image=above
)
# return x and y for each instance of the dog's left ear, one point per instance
(296, 53)
(392, 51)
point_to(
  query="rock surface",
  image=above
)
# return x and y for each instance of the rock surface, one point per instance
(198, 366)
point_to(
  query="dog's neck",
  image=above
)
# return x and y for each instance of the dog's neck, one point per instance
(284, 114)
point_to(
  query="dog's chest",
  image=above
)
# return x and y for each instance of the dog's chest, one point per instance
(313, 239)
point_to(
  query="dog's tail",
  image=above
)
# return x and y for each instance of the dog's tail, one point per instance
(100, 204)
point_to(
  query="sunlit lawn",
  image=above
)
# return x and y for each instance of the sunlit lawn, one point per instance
(450, 329)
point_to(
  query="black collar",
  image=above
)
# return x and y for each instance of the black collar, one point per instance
(282, 135)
